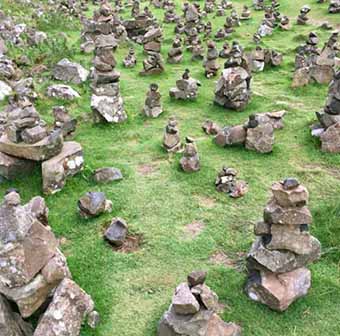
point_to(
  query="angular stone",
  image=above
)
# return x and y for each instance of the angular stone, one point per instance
(261, 228)
(197, 278)
(5, 90)
(56, 269)
(184, 302)
(40, 151)
(12, 167)
(275, 214)
(68, 162)
(301, 77)
(116, 232)
(290, 238)
(261, 258)
(61, 91)
(93, 204)
(107, 174)
(65, 314)
(68, 71)
(34, 134)
(109, 109)
(260, 138)
(322, 74)
(330, 139)
(297, 197)
(279, 291)
(9, 324)
(37, 208)
(205, 295)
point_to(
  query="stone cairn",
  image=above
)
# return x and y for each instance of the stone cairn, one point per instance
(233, 88)
(228, 183)
(153, 64)
(186, 87)
(313, 65)
(334, 7)
(210, 64)
(259, 5)
(259, 58)
(302, 19)
(130, 60)
(328, 129)
(171, 139)
(277, 260)
(257, 134)
(246, 13)
(190, 161)
(106, 102)
(35, 276)
(175, 54)
(152, 40)
(193, 311)
(153, 106)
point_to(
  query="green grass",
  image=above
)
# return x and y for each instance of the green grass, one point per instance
(131, 291)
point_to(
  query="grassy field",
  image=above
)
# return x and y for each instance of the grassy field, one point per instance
(131, 291)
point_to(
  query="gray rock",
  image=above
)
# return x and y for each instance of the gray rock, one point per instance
(61, 91)
(5, 90)
(116, 232)
(107, 174)
(68, 71)
(12, 167)
(93, 204)
(184, 302)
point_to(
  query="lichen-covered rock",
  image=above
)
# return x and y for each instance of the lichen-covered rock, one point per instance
(12, 167)
(68, 162)
(260, 138)
(68, 71)
(61, 91)
(69, 307)
(93, 204)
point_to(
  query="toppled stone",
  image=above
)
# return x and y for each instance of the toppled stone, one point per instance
(106, 175)
(116, 232)
(93, 204)
(68, 71)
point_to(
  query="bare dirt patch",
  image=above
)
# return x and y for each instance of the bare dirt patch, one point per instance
(206, 202)
(221, 258)
(131, 244)
(147, 169)
(193, 229)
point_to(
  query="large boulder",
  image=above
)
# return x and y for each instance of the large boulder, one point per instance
(330, 139)
(260, 138)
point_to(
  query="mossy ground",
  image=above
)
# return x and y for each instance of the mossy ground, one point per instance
(131, 291)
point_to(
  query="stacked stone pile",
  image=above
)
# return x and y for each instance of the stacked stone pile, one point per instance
(171, 138)
(152, 40)
(334, 7)
(193, 311)
(186, 87)
(153, 106)
(106, 102)
(228, 183)
(190, 161)
(328, 128)
(33, 271)
(277, 260)
(210, 64)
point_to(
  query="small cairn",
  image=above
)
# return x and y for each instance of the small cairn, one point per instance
(171, 139)
(190, 161)
(277, 260)
(106, 102)
(153, 64)
(175, 54)
(233, 88)
(152, 106)
(152, 40)
(328, 129)
(334, 7)
(246, 13)
(194, 301)
(210, 64)
(225, 52)
(64, 121)
(130, 60)
(227, 182)
(302, 19)
(259, 5)
(186, 87)
(197, 50)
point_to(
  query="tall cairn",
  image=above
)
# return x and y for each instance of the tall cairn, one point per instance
(278, 258)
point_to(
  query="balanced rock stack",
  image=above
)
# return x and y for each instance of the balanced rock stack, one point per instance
(153, 106)
(106, 102)
(190, 161)
(233, 88)
(152, 40)
(186, 87)
(171, 138)
(228, 183)
(193, 311)
(329, 128)
(334, 7)
(34, 270)
(26, 139)
(277, 260)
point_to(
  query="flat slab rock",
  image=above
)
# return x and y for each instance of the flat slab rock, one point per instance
(68, 162)
(69, 307)
(68, 71)
(107, 174)
(279, 291)
(62, 91)
(12, 167)
(40, 151)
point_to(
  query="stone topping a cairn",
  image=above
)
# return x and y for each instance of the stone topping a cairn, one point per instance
(313, 64)
(153, 106)
(233, 88)
(210, 64)
(106, 101)
(171, 139)
(334, 7)
(259, 58)
(193, 311)
(33, 270)
(228, 183)
(246, 13)
(302, 19)
(186, 87)
(130, 60)
(328, 128)
(175, 54)
(63, 120)
(277, 260)
(190, 162)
